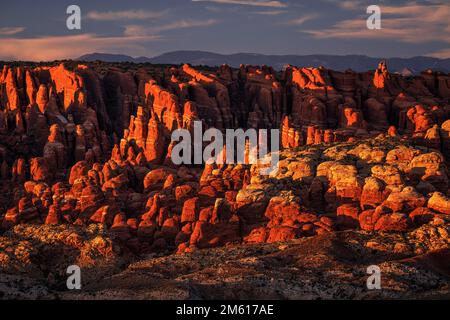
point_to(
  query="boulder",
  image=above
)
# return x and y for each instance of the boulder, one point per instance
(439, 203)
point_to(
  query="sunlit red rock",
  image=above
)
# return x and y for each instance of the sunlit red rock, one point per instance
(439, 203)
(90, 146)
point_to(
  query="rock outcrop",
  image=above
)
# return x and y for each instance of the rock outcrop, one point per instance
(82, 145)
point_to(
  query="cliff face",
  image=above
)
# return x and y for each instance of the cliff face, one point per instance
(91, 145)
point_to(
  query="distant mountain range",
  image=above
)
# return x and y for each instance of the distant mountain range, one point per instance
(358, 63)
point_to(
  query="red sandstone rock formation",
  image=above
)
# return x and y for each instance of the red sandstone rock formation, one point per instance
(79, 146)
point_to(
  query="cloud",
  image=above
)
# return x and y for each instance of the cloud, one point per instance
(137, 30)
(412, 23)
(9, 31)
(348, 4)
(442, 54)
(133, 41)
(256, 3)
(270, 12)
(125, 15)
(301, 20)
(222, 9)
(66, 47)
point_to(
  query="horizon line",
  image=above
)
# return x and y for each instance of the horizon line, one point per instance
(227, 54)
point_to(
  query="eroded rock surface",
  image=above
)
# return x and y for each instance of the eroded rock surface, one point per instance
(85, 154)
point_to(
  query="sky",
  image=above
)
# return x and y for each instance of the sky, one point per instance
(36, 30)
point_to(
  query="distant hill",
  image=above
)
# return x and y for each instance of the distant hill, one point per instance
(355, 62)
(106, 57)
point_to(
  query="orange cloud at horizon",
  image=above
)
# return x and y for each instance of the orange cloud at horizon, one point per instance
(69, 47)
(441, 54)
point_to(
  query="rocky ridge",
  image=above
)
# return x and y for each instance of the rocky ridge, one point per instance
(86, 149)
